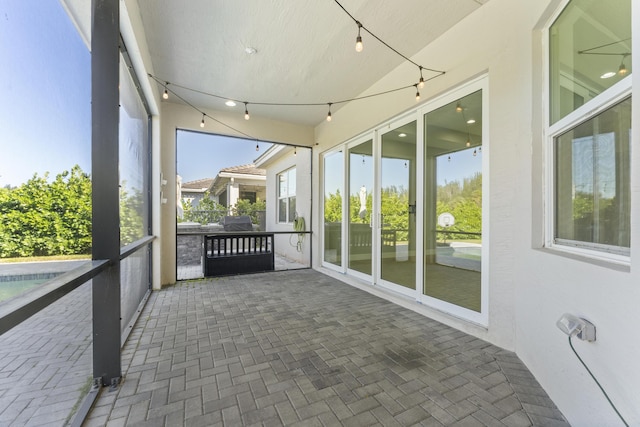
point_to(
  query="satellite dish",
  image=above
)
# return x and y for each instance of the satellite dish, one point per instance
(446, 220)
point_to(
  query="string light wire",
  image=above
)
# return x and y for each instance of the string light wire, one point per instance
(418, 86)
(205, 114)
(361, 26)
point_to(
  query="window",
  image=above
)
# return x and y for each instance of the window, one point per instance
(592, 181)
(590, 126)
(287, 196)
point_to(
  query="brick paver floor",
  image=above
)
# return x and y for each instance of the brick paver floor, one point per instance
(301, 348)
(45, 363)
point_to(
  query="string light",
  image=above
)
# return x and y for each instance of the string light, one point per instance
(165, 95)
(468, 142)
(359, 40)
(257, 147)
(458, 108)
(475, 152)
(421, 82)
(246, 111)
(622, 70)
(287, 104)
(295, 151)
(202, 122)
(359, 46)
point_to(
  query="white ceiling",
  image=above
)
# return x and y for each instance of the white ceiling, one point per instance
(305, 48)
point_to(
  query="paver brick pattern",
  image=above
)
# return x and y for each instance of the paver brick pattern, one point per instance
(301, 348)
(45, 363)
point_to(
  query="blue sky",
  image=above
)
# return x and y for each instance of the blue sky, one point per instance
(201, 155)
(45, 114)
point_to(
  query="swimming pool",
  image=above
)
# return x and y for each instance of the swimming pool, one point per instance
(11, 286)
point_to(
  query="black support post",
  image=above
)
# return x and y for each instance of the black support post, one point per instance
(105, 34)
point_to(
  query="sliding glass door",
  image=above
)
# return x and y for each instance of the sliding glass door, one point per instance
(453, 204)
(359, 207)
(397, 190)
(412, 211)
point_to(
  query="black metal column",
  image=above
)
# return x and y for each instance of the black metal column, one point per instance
(105, 35)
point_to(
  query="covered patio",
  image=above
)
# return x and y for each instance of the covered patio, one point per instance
(265, 350)
(371, 333)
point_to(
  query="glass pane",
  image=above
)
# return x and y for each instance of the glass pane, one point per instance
(333, 174)
(360, 207)
(292, 182)
(590, 51)
(134, 161)
(282, 185)
(292, 209)
(453, 202)
(135, 281)
(398, 198)
(593, 182)
(282, 210)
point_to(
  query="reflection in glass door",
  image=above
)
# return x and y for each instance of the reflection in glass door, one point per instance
(398, 206)
(360, 206)
(453, 202)
(333, 183)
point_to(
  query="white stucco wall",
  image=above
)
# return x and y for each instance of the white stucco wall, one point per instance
(529, 287)
(286, 244)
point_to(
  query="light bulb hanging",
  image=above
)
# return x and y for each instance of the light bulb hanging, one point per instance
(458, 108)
(622, 70)
(257, 147)
(246, 112)
(359, 45)
(421, 82)
(468, 142)
(329, 113)
(295, 151)
(202, 122)
(475, 152)
(417, 93)
(165, 95)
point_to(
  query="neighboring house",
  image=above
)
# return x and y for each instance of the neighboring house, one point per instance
(193, 191)
(244, 182)
(286, 173)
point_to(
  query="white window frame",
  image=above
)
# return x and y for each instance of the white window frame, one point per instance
(286, 197)
(589, 110)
